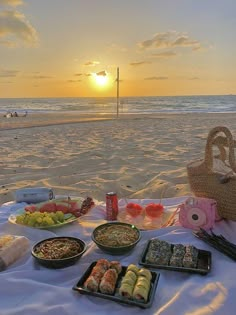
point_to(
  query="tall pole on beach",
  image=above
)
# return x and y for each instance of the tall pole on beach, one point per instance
(117, 92)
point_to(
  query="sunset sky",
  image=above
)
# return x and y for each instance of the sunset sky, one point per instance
(69, 48)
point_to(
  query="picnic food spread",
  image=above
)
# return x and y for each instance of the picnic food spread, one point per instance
(109, 279)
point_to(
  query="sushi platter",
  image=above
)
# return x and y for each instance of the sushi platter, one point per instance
(127, 285)
(178, 257)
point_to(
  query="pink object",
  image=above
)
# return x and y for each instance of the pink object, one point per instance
(198, 212)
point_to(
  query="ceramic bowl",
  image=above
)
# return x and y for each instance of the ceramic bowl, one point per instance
(116, 238)
(41, 251)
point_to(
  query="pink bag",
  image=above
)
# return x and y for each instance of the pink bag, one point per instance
(197, 213)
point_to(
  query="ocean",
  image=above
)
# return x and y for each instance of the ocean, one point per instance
(131, 105)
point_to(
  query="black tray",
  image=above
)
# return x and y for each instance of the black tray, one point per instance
(116, 297)
(203, 264)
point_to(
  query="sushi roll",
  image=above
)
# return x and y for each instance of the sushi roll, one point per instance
(140, 294)
(177, 256)
(91, 284)
(95, 277)
(116, 265)
(128, 281)
(108, 282)
(143, 272)
(159, 252)
(161, 258)
(143, 285)
(178, 250)
(155, 244)
(141, 289)
(165, 247)
(150, 257)
(97, 272)
(129, 278)
(143, 282)
(190, 257)
(104, 263)
(133, 268)
(126, 290)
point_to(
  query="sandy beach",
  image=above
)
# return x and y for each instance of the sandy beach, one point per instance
(81, 155)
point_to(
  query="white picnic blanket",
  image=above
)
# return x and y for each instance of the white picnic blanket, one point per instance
(30, 289)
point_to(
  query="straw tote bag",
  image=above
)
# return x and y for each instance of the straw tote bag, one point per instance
(215, 176)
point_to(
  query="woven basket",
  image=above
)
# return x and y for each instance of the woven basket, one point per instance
(206, 182)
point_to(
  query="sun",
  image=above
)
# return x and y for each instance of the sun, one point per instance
(101, 78)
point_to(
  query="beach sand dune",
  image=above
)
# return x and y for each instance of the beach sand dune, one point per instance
(136, 156)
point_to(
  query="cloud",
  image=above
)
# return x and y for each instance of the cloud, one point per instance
(13, 23)
(185, 41)
(7, 43)
(102, 73)
(165, 54)
(73, 81)
(8, 73)
(78, 74)
(12, 3)
(41, 77)
(139, 63)
(156, 78)
(194, 78)
(91, 63)
(169, 39)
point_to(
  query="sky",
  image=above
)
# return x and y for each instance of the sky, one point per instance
(72, 48)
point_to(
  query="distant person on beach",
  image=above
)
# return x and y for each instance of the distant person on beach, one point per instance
(15, 114)
(8, 114)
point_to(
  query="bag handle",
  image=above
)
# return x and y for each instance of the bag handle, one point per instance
(219, 141)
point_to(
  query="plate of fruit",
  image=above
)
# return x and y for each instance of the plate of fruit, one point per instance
(53, 213)
(146, 216)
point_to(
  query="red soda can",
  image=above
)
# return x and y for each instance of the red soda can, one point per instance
(111, 206)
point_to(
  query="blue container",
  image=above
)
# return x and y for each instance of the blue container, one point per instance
(34, 195)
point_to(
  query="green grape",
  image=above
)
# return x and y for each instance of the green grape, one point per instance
(20, 219)
(53, 216)
(60, 216)
(31, 221)
(26, 219)
(38, 219)
(47, 221)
